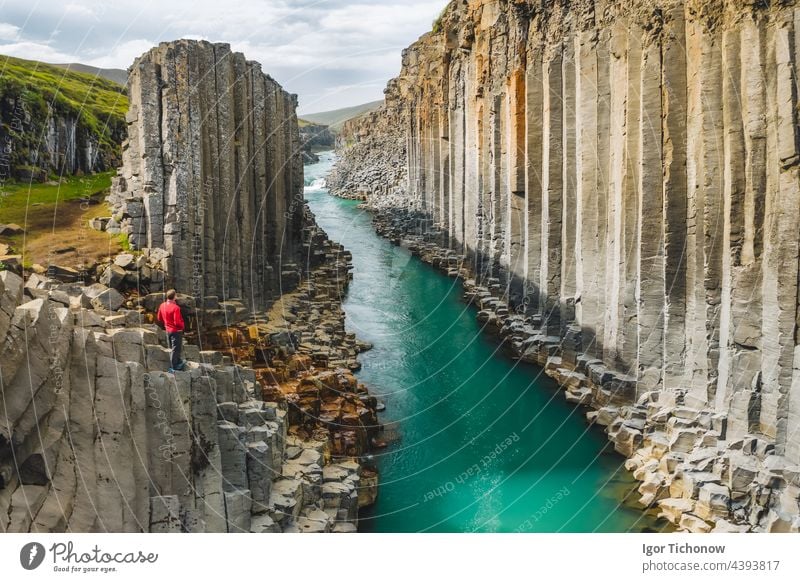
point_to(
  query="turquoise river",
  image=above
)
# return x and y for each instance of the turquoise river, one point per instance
(477, 441)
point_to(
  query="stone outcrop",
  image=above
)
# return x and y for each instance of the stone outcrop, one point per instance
(374, 162)
(304, 357)
(65, 146)
(619, 183)
(212, 172)
(95, 436)
(260, 433)
(262, 430)
(314, 138)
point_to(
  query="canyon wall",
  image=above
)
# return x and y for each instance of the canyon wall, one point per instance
(43, 139)
(314, 138)
(212, 172)
(96, 435)
(623, 176)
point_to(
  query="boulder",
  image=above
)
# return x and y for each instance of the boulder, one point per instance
(672, 509)
(11, 229)
(11, 262)
(65, 274)
(99, 223)
(714, 501)
(113, 276)
(725, 526)
(264, 524)
(125, 260)
(694, 524)
(110, 299)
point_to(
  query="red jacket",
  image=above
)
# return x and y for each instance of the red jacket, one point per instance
(170, 315)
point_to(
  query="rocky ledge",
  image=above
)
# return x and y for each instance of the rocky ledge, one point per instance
(261, 432)
(264, 429)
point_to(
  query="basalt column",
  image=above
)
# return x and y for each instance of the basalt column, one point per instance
(212, 175)
(624, 183)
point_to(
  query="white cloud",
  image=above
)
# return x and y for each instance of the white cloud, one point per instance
(8, 31)
(334, 52)
(382, 21)
(82, 11)
(125, 52)
(36, 52)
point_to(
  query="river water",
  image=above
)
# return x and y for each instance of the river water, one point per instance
(478, 442)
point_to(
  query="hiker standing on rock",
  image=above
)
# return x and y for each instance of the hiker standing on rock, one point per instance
(169, 313)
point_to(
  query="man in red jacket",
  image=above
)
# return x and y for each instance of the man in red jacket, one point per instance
(169, 314)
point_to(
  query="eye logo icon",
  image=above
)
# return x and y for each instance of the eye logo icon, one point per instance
(31, 555)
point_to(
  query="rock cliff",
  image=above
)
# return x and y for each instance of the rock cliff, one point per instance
(262, 430)
(618, 181)
(212, 172)
(57, 122)
(315, 137)
(95, 436)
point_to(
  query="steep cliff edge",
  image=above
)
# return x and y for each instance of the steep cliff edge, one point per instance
(262, 430)
(54, 121)
(212, 172)
(619, 182)
(314, 137)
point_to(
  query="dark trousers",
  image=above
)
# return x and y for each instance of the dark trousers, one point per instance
(175, 342)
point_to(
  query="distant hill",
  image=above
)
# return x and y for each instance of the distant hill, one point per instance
(116, 75)
(336, 118)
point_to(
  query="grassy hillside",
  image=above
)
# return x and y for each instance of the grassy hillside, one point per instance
(26, 204)
(335, 119)
(55, 218)
(100, 103)
(52, 206)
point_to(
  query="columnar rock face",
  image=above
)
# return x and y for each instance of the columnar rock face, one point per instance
(50, 142)
(366, 169)
(626, 174)
(212, 172)
(314, 137)
(95, 436)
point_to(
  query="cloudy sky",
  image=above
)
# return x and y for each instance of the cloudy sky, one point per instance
(333, 53)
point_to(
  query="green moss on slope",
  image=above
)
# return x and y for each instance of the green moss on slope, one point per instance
(30, 91)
